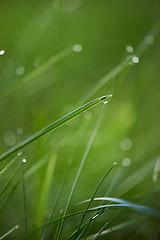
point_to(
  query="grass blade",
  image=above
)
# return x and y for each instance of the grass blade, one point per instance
(120, 202)
(81, 166)
(39, 70)
(54, 125)
(9, 164)
(10, 231)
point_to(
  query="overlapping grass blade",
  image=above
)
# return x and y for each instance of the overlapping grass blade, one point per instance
(120, 202)
(53, 126)
(93, 135)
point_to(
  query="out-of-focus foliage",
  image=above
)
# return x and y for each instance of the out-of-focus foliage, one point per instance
(44, 74)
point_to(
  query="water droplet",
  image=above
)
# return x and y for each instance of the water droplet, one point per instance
(2, 52)
(17, 226)
(115, 163)
(106, 99)
(129, 49)
(149, 39)
(77, 48)
(87, 115)
(10, 139)
(20, 131)
(135, 59)
(126, 162)
(126, 144)
(19, 153)
(24, 160)
(20, 71)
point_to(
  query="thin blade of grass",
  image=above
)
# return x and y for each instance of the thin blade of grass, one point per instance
(45, 189)
(140, 208)
(9, 164)
(53, 126)
(97, 188)
(93, 135)
(9, 232)
(24, 201)
(39, 70)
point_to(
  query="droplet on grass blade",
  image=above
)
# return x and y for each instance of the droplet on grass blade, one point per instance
(132, 60)
(129, 49)
(20, 71)
(77, 48)
(2, 52)
(126, 144)
(9, 138)
(126, 162)
(149, 39)
(24, 160)
(106, 99)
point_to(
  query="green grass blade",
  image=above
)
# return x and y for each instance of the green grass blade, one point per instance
(97, 188)
(9, 164)
(54, 125)
(120, 202)
(81, 166)
(38, 71)
(9, 232)
(24, 201)
(45, 189)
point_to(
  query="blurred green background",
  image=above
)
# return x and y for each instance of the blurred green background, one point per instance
(31, 33)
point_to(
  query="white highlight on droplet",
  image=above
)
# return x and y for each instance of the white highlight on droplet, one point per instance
(126, 144)
(126, 162)
(156, 170)
(2, 52)
(77, 48)
(19, 153)
(87, 115)
(24, 160)
(149, 39)
(135, 59)
(20, 131)
(20, 71)
(129, 49)
(9, 138)
(115, 163)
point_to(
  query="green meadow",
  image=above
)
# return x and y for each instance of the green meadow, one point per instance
(79, 120)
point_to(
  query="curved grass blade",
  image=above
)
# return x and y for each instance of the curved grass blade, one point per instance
(120, 202)
(9, 232)
(100, 183)
(54, 125)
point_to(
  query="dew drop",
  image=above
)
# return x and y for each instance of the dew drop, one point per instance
(77, 48)
(135, 59)
(19, 153)
(126, 162)
(129, 49)
(24, 160)
(87, 115)
(10, 139)
(149, 39)
(2, 52)
(132, 60)
(106, 99)
(115, 163)
(20, 71)
(20, 131)
(126, 144)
